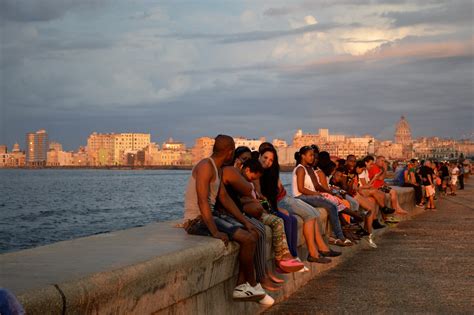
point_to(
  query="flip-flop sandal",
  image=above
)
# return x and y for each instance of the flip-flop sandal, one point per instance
(291, 265)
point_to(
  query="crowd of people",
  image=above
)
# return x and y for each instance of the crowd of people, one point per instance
(235, 193)
(429, 179)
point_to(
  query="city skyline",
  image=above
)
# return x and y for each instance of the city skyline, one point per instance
(137, 149)
(250, 68)
(160, 140)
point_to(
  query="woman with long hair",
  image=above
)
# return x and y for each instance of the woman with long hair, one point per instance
(304, 189)
(272, 188)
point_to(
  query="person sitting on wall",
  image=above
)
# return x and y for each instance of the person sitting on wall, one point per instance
(377, 173)
(352, 169)
(366, 189)
(339, 179)
(251, 171)
(203, 189)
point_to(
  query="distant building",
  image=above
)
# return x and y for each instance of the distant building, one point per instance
(301, 139)
(202, 149)
(124, 142)
(286, 155)
(111, 148)
(100, 149)
(253, 144)
(173, 145)
(16, 147)
(337, 145)
(80, 157)
(59, 158)
(403, 132)
(442, 149)
(37, 145)
(390, 150)
(55, 146)
(15, 158)
(151, 154)
(173, 157)
(279, 143)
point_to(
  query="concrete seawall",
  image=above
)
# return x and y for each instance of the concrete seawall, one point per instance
(153, 269)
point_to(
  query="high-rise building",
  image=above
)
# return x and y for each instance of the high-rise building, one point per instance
(37, 145)
(56, 146)
(127, 143)
(100, 148)
(112, 148)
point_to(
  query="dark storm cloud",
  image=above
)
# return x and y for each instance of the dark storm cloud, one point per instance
(257, 35)
(49, 83)
(307, 5)
(452, 13)
(41, 10)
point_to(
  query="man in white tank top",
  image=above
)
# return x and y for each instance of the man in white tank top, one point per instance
(203, 189)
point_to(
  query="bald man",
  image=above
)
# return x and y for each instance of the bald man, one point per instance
(200, 217)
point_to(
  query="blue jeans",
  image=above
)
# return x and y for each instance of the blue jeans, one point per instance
(224, 223)
(291, 231)
(320, 201)
(305, 211)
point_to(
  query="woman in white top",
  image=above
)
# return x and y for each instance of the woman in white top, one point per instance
(303, 188)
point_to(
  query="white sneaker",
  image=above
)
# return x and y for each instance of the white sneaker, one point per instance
(267, 300)
(258, 288)
(245, 292)
(371, 241)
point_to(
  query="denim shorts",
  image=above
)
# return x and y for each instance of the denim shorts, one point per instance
(224, 223)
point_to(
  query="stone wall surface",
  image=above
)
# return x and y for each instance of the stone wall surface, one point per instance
(156, 269)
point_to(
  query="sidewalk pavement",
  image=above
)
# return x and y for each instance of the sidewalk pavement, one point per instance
(424, 265)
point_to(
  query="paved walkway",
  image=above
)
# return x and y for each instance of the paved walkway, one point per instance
(425, 265)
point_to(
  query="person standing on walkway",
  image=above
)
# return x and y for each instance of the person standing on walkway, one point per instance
(203, 189)
(409, 176)
(461, 176)
(454, 170)
(427, 173)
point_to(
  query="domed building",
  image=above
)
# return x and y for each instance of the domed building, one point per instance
(403, 132)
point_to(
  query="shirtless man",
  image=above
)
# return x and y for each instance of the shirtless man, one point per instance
(200, 218)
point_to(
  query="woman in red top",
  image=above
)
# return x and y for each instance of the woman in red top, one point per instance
(377, 174)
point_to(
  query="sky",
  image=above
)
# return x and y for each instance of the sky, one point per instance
(186, 69)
